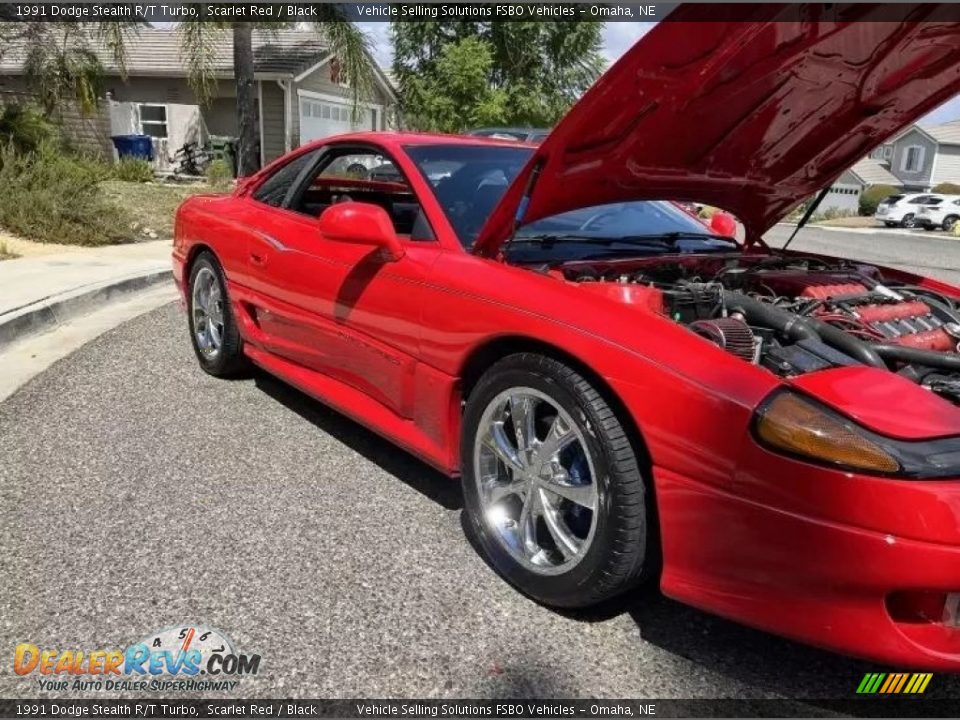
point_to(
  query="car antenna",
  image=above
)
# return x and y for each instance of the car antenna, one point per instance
(806, 216)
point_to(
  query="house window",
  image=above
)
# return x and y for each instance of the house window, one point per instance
(912, 158)
(887, 152)
(153, 120)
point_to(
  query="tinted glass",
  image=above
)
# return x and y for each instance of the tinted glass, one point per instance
(893, 199)
(274, 189)
(468, 180)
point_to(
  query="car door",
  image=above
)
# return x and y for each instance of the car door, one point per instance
(335, 307)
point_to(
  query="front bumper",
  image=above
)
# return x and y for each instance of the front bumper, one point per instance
(814, 579)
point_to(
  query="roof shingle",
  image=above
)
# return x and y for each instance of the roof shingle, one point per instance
(871, 172)
(946, 134)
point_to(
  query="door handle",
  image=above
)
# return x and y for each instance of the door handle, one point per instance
(258, 259)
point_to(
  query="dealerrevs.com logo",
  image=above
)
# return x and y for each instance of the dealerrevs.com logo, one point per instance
(171, 659)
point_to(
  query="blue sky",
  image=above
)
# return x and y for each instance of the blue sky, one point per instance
(617, 38)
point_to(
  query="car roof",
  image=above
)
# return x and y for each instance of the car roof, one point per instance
(418, 138)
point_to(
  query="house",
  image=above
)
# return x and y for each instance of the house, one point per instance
(299, 96)
(844, 195)
(923, 157)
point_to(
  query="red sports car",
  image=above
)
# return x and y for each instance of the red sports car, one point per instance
(624, 394)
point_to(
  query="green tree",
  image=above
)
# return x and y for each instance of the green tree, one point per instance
(457, 74)
(60, 64)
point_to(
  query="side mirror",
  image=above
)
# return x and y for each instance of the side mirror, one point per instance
(723, 223)
(362, 224)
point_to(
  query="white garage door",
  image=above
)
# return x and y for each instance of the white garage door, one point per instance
(322, 118)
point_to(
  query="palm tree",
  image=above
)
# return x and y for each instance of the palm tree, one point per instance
(63, 65)
(198, 39)
(60, 63)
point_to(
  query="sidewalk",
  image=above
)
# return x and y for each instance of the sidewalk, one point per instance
(41, 291)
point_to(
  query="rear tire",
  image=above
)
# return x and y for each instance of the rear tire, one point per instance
(908, 221)
(890, 224)
(213, 328)
(569, 527)
(949, 222)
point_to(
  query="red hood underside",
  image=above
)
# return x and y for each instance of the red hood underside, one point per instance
(752, 113)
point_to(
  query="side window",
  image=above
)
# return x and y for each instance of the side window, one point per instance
(363, 176)
(273, 191)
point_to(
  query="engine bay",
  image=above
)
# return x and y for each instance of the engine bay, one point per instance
(796, 314)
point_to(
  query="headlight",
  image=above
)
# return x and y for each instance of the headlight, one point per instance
(792, 424)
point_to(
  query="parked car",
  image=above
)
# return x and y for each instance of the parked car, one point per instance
(901, 210)
(623, 394)
(532, 135)
(940, 213)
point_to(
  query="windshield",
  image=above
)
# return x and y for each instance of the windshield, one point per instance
(469, 181)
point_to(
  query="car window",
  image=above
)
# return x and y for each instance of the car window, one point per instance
(273, 191)
(468, 180)
(893, 199)
(919, 200)
(933, 201)
(363, 176)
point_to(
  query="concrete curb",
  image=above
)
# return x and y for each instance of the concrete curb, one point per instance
(52, 311)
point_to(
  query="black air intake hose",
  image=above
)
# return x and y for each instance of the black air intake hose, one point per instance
(847, 343)
(918, 356)
(798, 328)
(761, 313)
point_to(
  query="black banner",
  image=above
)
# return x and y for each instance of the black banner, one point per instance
(470, 708)
(429, 10)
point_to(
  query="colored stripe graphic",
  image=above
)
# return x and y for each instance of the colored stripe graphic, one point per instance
(894, 683)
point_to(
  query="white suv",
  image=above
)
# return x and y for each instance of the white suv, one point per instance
(941, 212)
(901, 209)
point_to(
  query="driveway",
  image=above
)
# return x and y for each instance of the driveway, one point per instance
(137, 493)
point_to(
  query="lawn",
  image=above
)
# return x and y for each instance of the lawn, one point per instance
(152, 205)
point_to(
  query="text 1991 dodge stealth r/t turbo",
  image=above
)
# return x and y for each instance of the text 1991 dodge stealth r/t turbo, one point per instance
(774, 436)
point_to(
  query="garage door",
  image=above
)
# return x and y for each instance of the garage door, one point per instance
(322, 118)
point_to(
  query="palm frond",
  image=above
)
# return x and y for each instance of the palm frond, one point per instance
(351, 47)
(114, 36)
(198, 42)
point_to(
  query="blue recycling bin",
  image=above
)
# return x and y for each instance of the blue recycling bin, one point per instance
(138, 146)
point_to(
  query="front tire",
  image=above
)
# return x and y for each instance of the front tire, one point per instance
(949, 222)
(213, 329)
(552, 486)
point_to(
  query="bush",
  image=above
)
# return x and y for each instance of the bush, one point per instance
(947, 188)
(871, 197)
(52, 197)
(219, 174)
(131, 169)
(25, 129)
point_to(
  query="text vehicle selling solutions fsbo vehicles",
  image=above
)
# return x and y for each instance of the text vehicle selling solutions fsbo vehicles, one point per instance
(624, 393)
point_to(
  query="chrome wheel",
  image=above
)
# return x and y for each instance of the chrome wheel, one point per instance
(536, 480)
(207, 309)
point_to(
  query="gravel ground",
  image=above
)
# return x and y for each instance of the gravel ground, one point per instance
(138, 493)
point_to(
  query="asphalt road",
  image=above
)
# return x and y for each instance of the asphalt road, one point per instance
(137, 493)
(936, 254)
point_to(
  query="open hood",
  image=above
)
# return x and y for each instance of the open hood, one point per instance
(752, 112)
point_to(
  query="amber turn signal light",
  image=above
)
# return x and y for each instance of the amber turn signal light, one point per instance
(797, 426)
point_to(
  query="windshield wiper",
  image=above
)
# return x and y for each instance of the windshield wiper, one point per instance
(674, 236)
(668, 240)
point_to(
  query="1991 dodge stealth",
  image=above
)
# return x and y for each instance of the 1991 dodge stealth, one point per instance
(773, 436)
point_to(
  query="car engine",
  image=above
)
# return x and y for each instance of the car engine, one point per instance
(794, 315)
